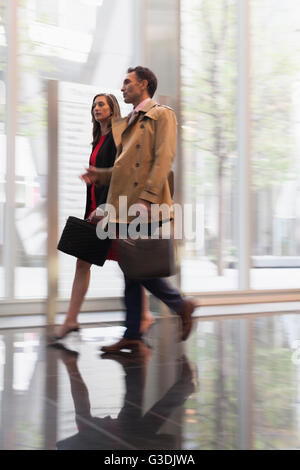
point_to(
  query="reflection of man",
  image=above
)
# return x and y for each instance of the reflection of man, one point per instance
(131, 429)
(146, 144)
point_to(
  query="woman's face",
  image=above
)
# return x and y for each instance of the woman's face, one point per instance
(101, 109)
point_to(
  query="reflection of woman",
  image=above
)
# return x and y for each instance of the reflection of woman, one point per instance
(104, 107)
(133, 428)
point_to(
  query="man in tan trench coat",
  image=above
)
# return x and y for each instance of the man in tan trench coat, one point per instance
(146, 145)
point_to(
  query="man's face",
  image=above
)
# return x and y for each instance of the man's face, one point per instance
(132, 89)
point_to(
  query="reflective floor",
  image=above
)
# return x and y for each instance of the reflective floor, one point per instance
(235, 384)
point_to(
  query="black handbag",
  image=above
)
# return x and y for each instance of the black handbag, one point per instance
(79, 239)
(147, 258)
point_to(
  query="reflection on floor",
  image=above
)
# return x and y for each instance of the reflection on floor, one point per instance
(235, 384)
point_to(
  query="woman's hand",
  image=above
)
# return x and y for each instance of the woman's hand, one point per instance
(95, 216)
(91, 176)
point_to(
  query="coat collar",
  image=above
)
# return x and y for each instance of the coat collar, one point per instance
(121, 125)
(149, 109)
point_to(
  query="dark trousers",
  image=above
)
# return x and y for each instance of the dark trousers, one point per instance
(133, 301)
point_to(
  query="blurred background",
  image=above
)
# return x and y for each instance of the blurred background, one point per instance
(229, 68)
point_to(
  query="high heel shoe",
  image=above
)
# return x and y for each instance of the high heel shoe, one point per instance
(75, 329)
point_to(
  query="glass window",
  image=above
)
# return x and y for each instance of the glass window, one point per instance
(209, 31)
(275, 38)
(3, 45)
(31, 159)
(72, 41)
(84, 49)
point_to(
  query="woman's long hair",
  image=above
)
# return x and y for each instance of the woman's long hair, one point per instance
(115, 112)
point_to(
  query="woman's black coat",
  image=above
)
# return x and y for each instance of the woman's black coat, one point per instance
(105, 159)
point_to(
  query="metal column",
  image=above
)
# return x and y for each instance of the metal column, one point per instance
(11, 130)
(52, 260)
(244, 152)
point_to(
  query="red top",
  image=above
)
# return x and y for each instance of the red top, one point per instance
(93, 157)
(113, 252)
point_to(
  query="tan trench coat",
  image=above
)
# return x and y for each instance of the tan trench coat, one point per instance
(145, 152)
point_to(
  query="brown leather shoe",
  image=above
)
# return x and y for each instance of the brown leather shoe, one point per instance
(132, 344)
(139, 357)
(186, 318)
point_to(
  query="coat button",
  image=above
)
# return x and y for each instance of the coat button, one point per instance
(138, 146)
(135, 184)
(142, 126)
(137, 164)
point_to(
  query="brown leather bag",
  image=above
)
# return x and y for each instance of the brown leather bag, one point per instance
(147, 258)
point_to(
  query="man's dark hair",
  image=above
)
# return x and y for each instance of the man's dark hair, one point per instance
(143, 73)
